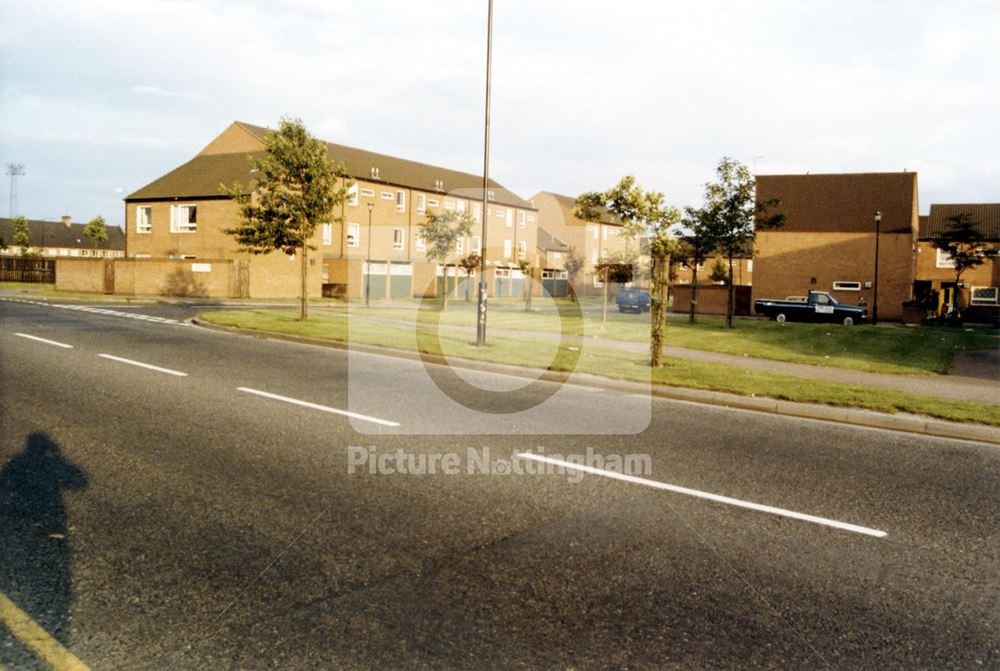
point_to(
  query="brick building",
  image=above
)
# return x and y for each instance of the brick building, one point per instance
(828, 240)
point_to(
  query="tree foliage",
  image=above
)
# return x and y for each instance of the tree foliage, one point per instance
(22, 235)
(696, 245)
(964, 243)
(295, 188)
(732, 216)
(470, 264)
(96, 230)
(641, 211)
(441, 232)
(574, 264)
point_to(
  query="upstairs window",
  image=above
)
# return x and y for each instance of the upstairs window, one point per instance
(398, 238)
(944, 259)
(327, 234)
(475, 245)
(421, 203)
(352, 195)
(353, 235)
(367, 193)
(143, 219)
(400, 201)
(183, 218)
(420, 244)
(521, 219)
(522, 249)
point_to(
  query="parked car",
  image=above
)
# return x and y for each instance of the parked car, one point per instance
(633, 300)
(819, 306)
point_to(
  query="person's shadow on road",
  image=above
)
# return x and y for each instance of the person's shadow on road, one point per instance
(35, 561)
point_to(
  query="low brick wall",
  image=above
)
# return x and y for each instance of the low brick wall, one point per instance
(711, 299)
(83, 275)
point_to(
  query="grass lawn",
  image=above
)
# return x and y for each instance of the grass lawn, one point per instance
(607, 362)
(901, 351)
(48, 291)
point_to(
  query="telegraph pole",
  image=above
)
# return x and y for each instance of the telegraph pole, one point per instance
(14, 170)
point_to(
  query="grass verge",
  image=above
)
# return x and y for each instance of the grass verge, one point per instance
(610, 363)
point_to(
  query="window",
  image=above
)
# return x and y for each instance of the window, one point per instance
(143, 256)
(143, 219)
(387, 195)
(522, 249)
(183, 218)
(353, 235)
(352, 195)
(750, 266)
(420, 244)
(421, 203)
(499, 212)
(460, 205)
(521, 219)
(503, 272)
(460, 246)
(367, 193)
(944, 259)
(327, 234)
(475, 244)
(822, 299)
(548, 274)
(477, 212)
(590, 227)
(531, 219)
(374, 173)
(604, 232)
(508, 246)
(985, 296)
(593, 256)
(510, 218)
(400, 201)
(448, 205)
(432, 203)
(846, 286)
(597, 232)
(398, 238)
(439, 184)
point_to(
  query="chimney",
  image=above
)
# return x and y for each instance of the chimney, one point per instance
(66, 220)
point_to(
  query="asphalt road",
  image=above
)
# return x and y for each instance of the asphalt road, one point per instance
(155, 518)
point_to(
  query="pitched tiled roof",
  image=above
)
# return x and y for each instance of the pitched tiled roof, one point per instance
(843, 203)
(57, 234)
(569, 202)
(201, 177)
(985, 216)
(549, 242)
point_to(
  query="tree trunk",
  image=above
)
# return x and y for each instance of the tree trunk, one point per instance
(694, 291)
(658, 311)
(527, 291)
(304, 309)
(604, 295)
(468, 286)
(729, 295)
(445, 290)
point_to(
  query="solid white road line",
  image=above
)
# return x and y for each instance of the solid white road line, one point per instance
(143, 365)
(44, 340)
(706, 495)
(316, 406)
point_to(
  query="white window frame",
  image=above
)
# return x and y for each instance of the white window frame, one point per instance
(521, 220)
(460, 205)
(475, 244)
(398, 238)
(387, 195)
(460, 246)
(604, 233)
(448, 205)
(368, 193)
(353, 235)
(597, 232)
(327, 234)
(144, 224)
(421, 203)
(944, 259)
(522, 249)
(984, 301)
(502, 273)
(352, 195)
(477, 212)
(750, 266)
(400, 201)
(846, 285)
(431, 202)
(189, 226)
(531, 218)
(510, 218)
(419, 243)
(508, 249)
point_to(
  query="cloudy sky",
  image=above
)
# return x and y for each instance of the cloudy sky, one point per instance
(99, 98)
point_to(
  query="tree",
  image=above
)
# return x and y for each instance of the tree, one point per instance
(695, 247)
(965, 245)
(470, 264)
(719, 272)
(441, 231)
(96, 230)
(3, 243)
(574, 264)
(642, 211)
(733, 217)
(22, 235)
(295, 187)
(526, 270)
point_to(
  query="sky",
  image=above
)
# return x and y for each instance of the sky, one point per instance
(98, 99)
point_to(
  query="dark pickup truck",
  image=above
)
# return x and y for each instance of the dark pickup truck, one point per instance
(818, 307)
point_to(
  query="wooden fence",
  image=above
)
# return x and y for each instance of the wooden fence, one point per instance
(19, 269)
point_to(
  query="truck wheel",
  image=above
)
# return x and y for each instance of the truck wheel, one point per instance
(780, 317)
(848, 321)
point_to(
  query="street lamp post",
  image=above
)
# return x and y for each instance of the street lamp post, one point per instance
(481, 321)
(878, 227)
(368, 260)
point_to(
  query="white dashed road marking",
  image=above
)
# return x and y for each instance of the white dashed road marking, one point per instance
(316, 406)
(44, 340)
(143, 365)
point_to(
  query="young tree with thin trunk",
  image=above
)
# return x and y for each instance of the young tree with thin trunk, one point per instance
(470, 264)
(574, 264)
(441, 233)
(526, 270)
(96, 230)
(695, 246)
(966, 246)
(733, 216)
(295, 188)
(642, 211)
